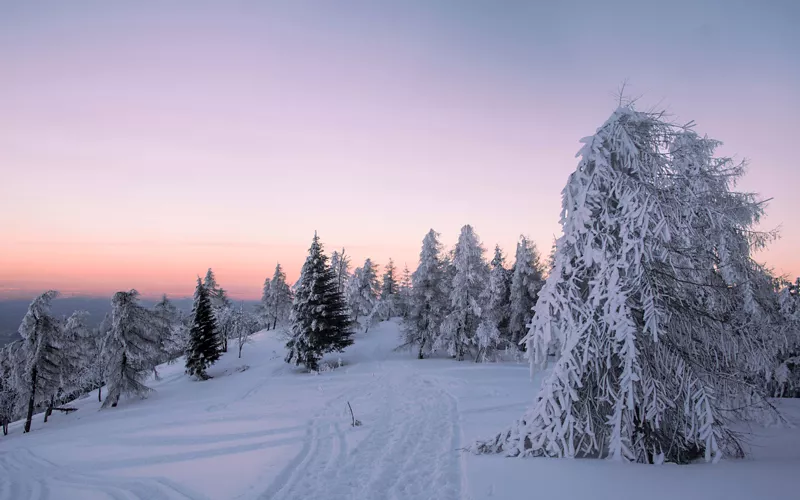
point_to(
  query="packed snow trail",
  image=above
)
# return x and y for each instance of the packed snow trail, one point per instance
(262, 429)
(410, 450)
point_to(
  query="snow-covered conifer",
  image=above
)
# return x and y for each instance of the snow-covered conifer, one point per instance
(526, 281)
(340, 263)
(280, 297)
(496, 300)
(389, 303)
(364, 291)
(173, 335)
(131, 347)
(221, 306)
(404, 293)
(319, 319)
(204, 347)
(654, 301)
(10, 364)
(458, 330)
(427, 301)
(75, 346)
(264, 309)
(40, 376)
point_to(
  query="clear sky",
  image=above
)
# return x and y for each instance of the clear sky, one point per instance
(142, 142)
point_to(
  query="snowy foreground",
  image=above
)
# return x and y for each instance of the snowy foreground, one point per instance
(273, 432)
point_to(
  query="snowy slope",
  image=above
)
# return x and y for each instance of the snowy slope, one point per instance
(274, 432)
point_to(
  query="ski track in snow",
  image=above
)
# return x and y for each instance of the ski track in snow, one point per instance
(410, 450)
(44, 480)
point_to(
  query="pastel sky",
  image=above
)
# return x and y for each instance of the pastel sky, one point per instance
(142, 142)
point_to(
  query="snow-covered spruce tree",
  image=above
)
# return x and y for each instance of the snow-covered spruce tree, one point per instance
(280, 299)
(131, 348)
(40, 355)
(244, 324)
(76, 346)
(95, 357)
(427, 302)
(10, 361)
(340, 263)
(785, 381)
(264, 309)
(389, 305)
(496, 300)
(221, 306)
(653, 299)
(364, 293)
(172, 335)
(404, 293)
(526, 281)
(319, 320)
(204, 347)
(458, 330)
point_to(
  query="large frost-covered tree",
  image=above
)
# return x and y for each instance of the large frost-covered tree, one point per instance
(459, 328)
(204, 347)
(526, 281)
(40, 355)
(131, 348)
(654, 301)
(786, 377)
(76, 347)
(427, 302)
(319, 320)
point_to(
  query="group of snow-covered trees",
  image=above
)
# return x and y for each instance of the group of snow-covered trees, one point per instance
(461, 304)
(58, 359)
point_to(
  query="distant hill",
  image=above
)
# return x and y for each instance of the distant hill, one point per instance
(13, 310)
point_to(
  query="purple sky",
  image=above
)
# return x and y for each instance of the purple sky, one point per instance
(142, 143)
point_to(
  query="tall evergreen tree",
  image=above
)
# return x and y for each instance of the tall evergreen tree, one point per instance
(389, 303)
(459, 328)
(172, 334)
(280, 298)
(132, 347)
(265, 307)
(10, 364)
(496, 300)
(340, 263)
(40, 354)
(404, 292)
(661, 315)
(364, 291)
(526, 281)
(221, 306)
(204, 342)
(428, 299)
(319, 319)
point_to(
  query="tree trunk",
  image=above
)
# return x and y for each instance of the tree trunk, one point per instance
(274, 321)
(49, 410)
(5, 428)
(241, 344)
(100, 394)
(30, 401)
(421, 346)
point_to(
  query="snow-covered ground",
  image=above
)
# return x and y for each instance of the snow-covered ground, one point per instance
(273, 432)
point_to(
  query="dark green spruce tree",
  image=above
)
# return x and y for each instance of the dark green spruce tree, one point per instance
(204, 345)
(319, 321)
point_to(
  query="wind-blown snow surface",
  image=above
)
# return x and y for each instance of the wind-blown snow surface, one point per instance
(274, 432)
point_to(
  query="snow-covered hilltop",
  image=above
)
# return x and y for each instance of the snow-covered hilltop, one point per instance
(263, 429)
